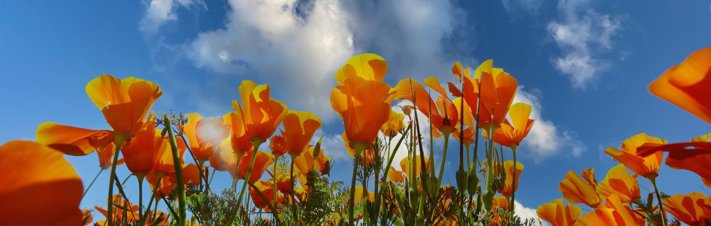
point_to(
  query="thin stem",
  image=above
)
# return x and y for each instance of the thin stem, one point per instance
(92, 183)
(351, 203)
(444, 158)
(256, 144)
(178, 172)
(659, 200)
(292, 182)
(275, 182)
(110, 207)
(513, 186)
(140, 198)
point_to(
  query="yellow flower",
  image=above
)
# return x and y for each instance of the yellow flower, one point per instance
(361, 98)
(619, 182)
(580, 190)
(299, 127)
(558, 214)
(645, 166)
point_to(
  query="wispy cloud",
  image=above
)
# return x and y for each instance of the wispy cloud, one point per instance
(160, 12)
(515, 7)
(582, 34)
(545, 138)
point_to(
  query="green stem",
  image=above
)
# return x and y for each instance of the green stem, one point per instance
(351, 203)
(110, 207)
(444, 158)
(92, 183)
(292, 182)
(255, 144)
(275, 183)
(140, 198)
(513, 184)
(659, 200)
(178, 172)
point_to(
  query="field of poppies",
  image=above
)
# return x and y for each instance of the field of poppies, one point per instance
(280, 177)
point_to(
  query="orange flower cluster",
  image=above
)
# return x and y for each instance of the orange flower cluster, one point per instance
(687, 86)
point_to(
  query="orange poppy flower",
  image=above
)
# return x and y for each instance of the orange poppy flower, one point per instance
(72, 140)
(687, 84)
(692, 209)
(509, 186)
(277, 145)
(394, 124)
(106, 155)
(470, 88)
(619, 182)
(511, 135)
(142, 152)
(259, 115)
(645, 166)
(396, 176)
(191, 174)
(266, 187)
(261, 162)
(204, 134)
(166, 183)
(361, 98)
(224, 159)
(442, 113)
(497, 90)
(612, 212)
(306, 161)
(299, 127)
(580, 190)
(693, 156)
(39, 187)
(124, 102)
(283, 182)
(558, 214)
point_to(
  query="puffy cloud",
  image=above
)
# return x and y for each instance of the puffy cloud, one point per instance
(582, 35)
(160, 12)
(302, 43)
(301, 46)
(525, 213)
(545, 139)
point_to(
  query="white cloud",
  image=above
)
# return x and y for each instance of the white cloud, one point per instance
(545, 139)
(332, 146)
(160, 12)
(525, 213)
(582, 35)
(301, 44)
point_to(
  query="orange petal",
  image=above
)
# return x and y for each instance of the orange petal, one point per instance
(577, 190)
(686, 85)
(39, 187)
(72, 140)
(558, 214)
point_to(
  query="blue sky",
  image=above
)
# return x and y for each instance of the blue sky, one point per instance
(585, 65)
